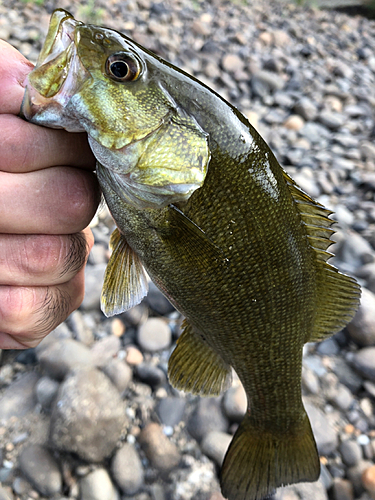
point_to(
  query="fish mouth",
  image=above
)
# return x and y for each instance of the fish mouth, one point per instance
(57, 76)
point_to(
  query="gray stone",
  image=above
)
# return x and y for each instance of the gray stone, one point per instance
(59, 358)
(41, 469)
(332, 120)
(347, 375)
(351, 452)
(154, 335)
(88, 415)
(5, 495)
(171, 410)
(354, 249)
(119, 372)
(342, 398)
(97, 486)
(364, 362)
(19, 397)
(265, 82)
(215, 446)
(302, 491)
(127, 469)
(78, 325)
(354, 474)
(61, 332)
(157, 301)
(342, 489)
(207, 417)
(46, 391)
(325, 434)
(306, 108)
(150, 374)
(105, 349)
(328, 347)
(94, 277)
(162, 453)
(362, 328)
(310, 382)
(235, 403)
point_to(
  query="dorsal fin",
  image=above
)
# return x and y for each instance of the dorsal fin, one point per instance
(125, 280)
(337, 294)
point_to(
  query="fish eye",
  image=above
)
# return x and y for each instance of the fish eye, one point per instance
(122, 67)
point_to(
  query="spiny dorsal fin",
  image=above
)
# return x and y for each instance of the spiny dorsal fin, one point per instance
(125, 280)
(195, 367)
(337, 294)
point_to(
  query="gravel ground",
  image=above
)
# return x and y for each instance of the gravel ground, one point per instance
(89, 413)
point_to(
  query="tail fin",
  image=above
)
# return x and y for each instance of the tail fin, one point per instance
(257, 462)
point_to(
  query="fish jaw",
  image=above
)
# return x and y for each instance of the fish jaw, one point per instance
(56, 78)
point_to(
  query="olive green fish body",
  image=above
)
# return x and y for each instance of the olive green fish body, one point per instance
(203, 206)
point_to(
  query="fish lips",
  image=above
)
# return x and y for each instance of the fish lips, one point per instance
(56, 78)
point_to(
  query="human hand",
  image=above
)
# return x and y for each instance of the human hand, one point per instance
(48, 195)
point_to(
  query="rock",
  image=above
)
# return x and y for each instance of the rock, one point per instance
(328, 347)
(171, 410)
(342, 398)
(94, 278)
(154, 335)
(306, 108)
(347, 375)
(342, 489)
(150, 374)
(305, 491)
(207, 417)
(41, 469)
(59, 358)
(133, 356)
(105, 349)
(364, 362)
(61, 332)
(310, 382)
(127, 469)
(354, 475)
(232, 63)
(325, 434)
(368, 480)
(4, 494)
(215, 445)
(88, 415)
(294, 122)
(78, 325)
(119, 373)
(162, 453)
(265, 82)
(157, 301)
(19, 397)
(235, 403)
(331, 120)
(362, 328)
(354, 249)
(97, 486)
(351, 452)
(46, 391)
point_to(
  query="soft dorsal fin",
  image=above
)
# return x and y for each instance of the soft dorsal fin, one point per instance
(125, 280)
(338, 294)
(195, 367)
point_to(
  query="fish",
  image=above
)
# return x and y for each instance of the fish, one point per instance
(205, 210)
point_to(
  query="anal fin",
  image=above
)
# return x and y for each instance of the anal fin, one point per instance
(195, 367)
(125, 280)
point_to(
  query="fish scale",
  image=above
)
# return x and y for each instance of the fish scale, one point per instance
(203, 206)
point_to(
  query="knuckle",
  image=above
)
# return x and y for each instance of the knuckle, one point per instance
(16, 304)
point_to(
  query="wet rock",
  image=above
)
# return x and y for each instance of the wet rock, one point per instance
(154, 335)
(59, 358)
(325, 435)
(207, 417)
(215, 445)
(119, 373)
(127, 469)
(171, 410)
(351, 452)
(19, 398)
(88, 415)
(97, 486)
(162, 453)
(46, 391)
(364, 362)
(362, 328)
(41, 469)
(235, 403)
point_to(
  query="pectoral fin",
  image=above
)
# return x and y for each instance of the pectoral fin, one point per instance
(125, 280)
(195, 367)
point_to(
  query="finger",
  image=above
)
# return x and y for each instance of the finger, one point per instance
(14, 68)
(42, 260)
(57, 200)
(25, 147)
(28, 314)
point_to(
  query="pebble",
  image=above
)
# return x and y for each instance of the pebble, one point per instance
(133, 356)
(215, 445)
(87, 396)
(325, 434)
(364, 362)
(171, 410)
(97, 486)
(362, 328)
(368, 480)
(342, 398)
(150, 374)
(342, 489)
(19, 398)
(207, 417)
(294, 122)
(105, 349)
(351, 452)
(41, 469)
(354, 475)
(235, 403)
(5, 495)
(94, 277)
(119, 372)
(59, 358)
(46, 391)
(154, 335)
(162, 453)
(306, 108)
(127, 469)
(157, 301)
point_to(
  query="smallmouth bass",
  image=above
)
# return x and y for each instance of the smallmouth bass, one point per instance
(203, 206)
